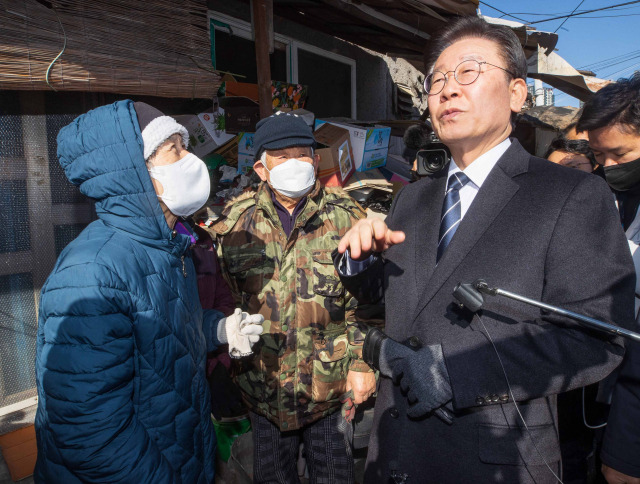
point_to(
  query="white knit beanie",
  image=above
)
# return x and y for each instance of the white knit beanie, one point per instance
(156, 128)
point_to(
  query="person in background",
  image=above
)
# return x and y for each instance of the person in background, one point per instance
(572, 153)
(470, 396)
(212, 287)
(275, 250)
(611, 118)
(122, 338)
(571, 132)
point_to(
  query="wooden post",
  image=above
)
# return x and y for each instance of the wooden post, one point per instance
(261, 28)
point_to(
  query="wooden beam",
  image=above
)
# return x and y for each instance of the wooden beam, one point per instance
(369, 36)
(261, 35)
(373, 17)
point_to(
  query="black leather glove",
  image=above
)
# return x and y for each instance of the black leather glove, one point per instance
(422, 375)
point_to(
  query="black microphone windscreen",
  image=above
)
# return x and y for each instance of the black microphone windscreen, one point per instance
(417, 137)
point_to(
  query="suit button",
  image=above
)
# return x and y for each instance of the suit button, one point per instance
(394, 413)
(414, 342)
(504, 398)
(494, 398)
(480, 401)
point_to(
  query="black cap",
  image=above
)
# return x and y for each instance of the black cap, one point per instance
(282, 130)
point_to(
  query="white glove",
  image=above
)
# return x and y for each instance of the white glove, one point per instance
(241, 331)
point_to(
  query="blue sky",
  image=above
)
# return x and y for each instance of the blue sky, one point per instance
(583, 40)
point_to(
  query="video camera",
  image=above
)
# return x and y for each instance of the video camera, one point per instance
(432, 155)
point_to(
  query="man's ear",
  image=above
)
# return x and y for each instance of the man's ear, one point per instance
(518, 94)
(259, 168)
(316, 161)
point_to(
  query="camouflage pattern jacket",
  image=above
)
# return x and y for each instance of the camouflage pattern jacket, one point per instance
(311, 337)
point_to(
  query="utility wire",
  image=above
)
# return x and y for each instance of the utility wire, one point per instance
(608, 16)
(583, 12)
(612, 64)
(581, 2)
(620, 71)
(538, 14)
(611, 61)
(505, 13)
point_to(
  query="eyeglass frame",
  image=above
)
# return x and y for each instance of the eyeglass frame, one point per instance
(446, 77)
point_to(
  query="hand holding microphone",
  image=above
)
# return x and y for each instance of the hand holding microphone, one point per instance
(241, 330)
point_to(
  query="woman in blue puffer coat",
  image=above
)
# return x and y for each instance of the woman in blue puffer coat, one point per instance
(122, 338)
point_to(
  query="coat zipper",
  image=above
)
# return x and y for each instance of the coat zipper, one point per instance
(184, 270)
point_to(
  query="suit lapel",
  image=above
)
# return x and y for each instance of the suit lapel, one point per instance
(495, 193)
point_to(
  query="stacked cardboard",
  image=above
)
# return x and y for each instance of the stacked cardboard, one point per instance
(206, 131)
(336, 158)
(369, 143)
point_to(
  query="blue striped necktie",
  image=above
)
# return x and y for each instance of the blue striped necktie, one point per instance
(451, 213)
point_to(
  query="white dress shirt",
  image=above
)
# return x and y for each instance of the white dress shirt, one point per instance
(477, 172)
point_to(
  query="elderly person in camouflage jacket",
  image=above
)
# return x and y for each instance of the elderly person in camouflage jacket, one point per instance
(275, 248)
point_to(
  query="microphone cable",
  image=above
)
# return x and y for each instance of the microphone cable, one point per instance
(516, 404)
(584, 415)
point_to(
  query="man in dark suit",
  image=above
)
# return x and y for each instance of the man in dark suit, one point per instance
(523, 224)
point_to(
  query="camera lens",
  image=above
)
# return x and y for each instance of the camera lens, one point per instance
(435, 160)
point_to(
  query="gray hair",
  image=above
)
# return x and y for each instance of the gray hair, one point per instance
(263, 156)
(509, 47)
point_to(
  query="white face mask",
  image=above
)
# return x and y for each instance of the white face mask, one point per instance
(293, 178)
(186, 184)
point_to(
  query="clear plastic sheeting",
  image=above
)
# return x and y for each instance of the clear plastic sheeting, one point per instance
(40, 213)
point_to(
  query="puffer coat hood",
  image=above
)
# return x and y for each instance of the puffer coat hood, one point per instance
(101, 152)
(122, 339)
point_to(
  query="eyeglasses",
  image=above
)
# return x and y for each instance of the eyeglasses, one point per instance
(465, 73)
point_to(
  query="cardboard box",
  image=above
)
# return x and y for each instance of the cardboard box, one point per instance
(245, 163)
(204, 135)
(246, 152)
(245, 143)
(369, 143)
(368, 179)
(336, 158)
(19, 450)
(241, 114)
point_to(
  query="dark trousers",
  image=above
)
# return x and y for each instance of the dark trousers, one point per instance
(327, 448)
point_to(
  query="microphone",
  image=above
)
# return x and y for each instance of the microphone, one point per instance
(470, 296)
(417, 136)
